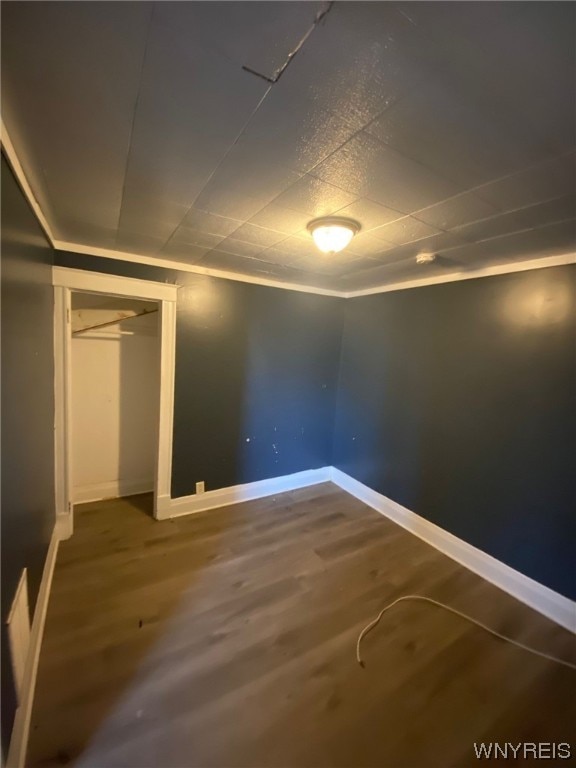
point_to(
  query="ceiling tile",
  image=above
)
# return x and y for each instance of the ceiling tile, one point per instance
(291, 127)
(260, 236)
(531, 217)
(137, 242)
(172, 167)
(243, 185)
(405, 230)
(409, 251)
(258, 35)
(88, 233)
(394, 272)
(370, 169)
(222, 260)
(551, 240)
(298, 247)
(210, 223)
(439, 243)
(69, 108)
(356, 64)
(323, 264)
(188, 253)
(187, 85)
(196, 237)
(369, 214)
(449, 133)
(503, 224)
(549, 212)
(192, 105)
(457, 211)
(240, 247)
(545, 181)
(515, 61)
(280, 219)
(314, 197)
(274, 256)
(365, 244)
(151, 216)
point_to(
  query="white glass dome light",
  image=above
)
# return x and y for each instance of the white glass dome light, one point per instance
(332, 234)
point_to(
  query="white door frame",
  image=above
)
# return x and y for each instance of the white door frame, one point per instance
(65, 281)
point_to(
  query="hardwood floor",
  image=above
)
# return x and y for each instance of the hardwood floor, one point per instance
(227, 639)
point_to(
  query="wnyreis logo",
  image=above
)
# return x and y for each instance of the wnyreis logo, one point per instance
(543, 750)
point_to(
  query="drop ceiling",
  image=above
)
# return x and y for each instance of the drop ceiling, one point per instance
(188, 132)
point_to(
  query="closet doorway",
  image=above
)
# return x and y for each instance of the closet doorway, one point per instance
(114, 389)
(115, 395)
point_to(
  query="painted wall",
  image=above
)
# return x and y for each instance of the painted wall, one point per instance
(456, 400)
(115, 396)
(459, 402)
(256, 372)
(27, 410)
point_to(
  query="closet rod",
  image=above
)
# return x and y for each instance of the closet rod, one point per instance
(114, 322)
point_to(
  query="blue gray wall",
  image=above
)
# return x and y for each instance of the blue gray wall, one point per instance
(27, 410)
(459, 402)
(456, 400)
(256, 373)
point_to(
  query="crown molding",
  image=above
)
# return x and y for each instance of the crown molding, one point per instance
(452, 277)
(197, 269)
(22, 180)
(105, 253)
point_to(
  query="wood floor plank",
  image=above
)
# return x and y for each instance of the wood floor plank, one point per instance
(227, 639)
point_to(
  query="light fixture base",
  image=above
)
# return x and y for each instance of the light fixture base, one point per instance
(333, 233)
(333, 221)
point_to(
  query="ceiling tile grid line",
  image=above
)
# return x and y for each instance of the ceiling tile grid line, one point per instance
(134, 112)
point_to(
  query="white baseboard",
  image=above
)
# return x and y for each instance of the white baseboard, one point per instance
(19, 739)
(64, 526)
(112, 490)
(544, 600)
(223, 497)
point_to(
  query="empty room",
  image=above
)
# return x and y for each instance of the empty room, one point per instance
(288, 384)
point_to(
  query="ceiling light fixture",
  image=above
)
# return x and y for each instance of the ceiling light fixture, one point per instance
(332, 233)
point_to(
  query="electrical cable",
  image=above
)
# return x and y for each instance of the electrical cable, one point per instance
(375, 621)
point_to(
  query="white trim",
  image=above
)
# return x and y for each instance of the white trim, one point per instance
(542, 599)
(167, 373)
(18, 624)
(65, 280)
(62, 382)
(162, 263)
(452, 277)
(112, 490)
(20, 731)
(223, 497)
(97, 282)
(16, 166)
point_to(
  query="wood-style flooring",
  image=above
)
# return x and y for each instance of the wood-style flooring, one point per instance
(227, 639)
